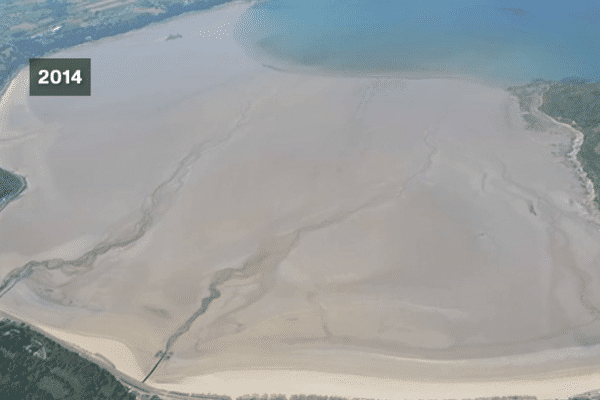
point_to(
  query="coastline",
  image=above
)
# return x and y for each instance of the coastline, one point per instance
(65, 340)
(239, 383)
(7, 139)
(233, 383)
(330, 383)
(577, 142)
(531, 100)
(45, 44)
(576, 104)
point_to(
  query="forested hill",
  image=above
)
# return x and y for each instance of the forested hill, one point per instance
(577, 102)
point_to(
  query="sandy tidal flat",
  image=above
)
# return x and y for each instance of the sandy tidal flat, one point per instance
(393, 231)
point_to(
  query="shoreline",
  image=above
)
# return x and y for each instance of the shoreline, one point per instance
(353, 386)
(50, 43)
(103, 362)
(355, 382)
(561, 384)
(576, 143)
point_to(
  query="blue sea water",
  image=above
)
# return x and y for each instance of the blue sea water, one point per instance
(505, 41)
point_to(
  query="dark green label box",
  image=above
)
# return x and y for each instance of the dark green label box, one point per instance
(60, 76)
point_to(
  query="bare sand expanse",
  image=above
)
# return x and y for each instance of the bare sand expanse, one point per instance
(238, 383)
(385, 234)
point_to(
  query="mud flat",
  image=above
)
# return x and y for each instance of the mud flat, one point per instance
(217, 217)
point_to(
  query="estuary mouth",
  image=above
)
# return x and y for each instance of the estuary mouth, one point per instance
(361, 205)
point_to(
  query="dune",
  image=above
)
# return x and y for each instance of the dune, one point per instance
(278, 232)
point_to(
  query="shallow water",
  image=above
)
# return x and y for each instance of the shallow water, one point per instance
(504, 42)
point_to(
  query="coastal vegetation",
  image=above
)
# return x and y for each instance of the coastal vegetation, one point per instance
(577, 103)
(33, 367)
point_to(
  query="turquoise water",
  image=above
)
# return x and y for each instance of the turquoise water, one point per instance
(504, 41)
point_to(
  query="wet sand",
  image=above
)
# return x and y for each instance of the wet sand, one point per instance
(398, 230)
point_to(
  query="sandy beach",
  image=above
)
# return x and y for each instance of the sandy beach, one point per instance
(375, 237)
(561, 384)
(238, 383)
